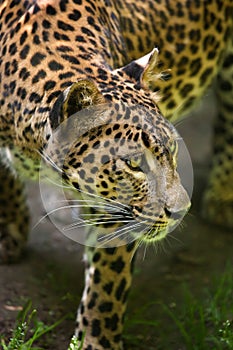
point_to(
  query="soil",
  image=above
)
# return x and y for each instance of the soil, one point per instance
(51, 272)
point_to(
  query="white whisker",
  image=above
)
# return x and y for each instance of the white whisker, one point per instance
(76, 206)
(58, 185)
(115, 204)
(119, 232)
(96, 215)
(47, 158)
(91, 223)
(105, 205)
(123, 206)
(146, 245)
(144, 254)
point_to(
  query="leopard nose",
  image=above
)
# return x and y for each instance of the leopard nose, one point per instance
(175, 215)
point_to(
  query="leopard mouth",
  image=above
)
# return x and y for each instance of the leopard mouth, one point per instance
(156, 227)
(156, 233)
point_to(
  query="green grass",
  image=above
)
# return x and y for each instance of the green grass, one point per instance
(207, 323)
(27, 331)
(75, 344)
(203, 322)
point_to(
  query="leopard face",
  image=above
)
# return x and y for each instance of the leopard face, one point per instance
(122, 159)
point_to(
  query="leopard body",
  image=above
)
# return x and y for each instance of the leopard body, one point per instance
(98, 59)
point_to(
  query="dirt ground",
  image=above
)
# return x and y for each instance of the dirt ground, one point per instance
(51, 273)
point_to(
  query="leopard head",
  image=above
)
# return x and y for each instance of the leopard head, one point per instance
(121, 158)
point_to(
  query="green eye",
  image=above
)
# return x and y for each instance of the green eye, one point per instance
(134, 163)
(174, 148)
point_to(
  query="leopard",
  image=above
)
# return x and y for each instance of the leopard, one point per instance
(93, 89)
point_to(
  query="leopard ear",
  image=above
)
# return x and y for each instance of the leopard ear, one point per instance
(80, 95)
(146, 70)
(150, 72)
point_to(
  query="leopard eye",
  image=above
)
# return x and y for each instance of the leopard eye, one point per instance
(173, 148)
(134, 163)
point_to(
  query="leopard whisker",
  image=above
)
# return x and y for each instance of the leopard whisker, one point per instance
(140, 241)
(54, 165)
(144, 253)
(124, 233)
(56, 184)
(48, 159)
(146, 245)
(123, 206)
(102, 214)
(92, 201)
(91, 223)
(76, 206)
(105, 201)
(119, 232)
